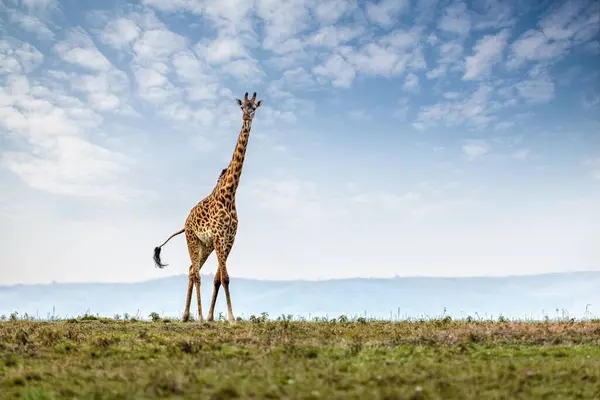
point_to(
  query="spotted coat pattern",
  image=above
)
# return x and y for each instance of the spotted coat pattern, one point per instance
(212, 223)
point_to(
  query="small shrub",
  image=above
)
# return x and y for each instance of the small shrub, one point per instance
(88, 317)
(154, 316)
(264, 317)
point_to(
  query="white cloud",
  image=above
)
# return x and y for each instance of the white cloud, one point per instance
(564, 26)
(157, 45)
(232, 56)
(332, 37)
(230, 17)
(197, 78)
(246, 70)
(272, 116)
(473, 111)
(488, 50)
(577, 20)
(17, 56)
(402, 39)
(452, 95)
(80, 50)
(539, 88)
(455, 19)
(492, 14)
(152, 52)
(154, 87)
(338, 70)
(374, 59)
(383, 59)
(105, 91)
(174, 5)
(40, 5)
(411, 83)
(105, 86)
(54, 156)
(221, 49)
(385, 12)
(70, 166)
(330, 11)
(120, 33)
(284, 21)
(298, 77)
(31, 23)
(450, 60)
(475, 148)
(533, 46)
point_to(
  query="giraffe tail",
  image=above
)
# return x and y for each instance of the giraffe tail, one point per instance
(157, 261)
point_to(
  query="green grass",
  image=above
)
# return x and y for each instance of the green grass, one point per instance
(94, 358)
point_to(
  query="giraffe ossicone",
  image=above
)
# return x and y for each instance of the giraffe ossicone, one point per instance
(212, 223)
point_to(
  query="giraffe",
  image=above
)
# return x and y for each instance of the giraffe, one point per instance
(212, 223)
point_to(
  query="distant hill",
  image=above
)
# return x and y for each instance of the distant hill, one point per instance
(523, 297)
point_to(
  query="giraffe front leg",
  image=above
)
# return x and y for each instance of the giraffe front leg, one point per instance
(203, 254)
(225, 283)
(188, 300)
(223, 249)
(216, 285)
(199, 298)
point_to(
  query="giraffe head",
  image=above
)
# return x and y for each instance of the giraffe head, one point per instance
(249, 106)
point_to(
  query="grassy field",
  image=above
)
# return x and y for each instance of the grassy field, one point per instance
(91, 358)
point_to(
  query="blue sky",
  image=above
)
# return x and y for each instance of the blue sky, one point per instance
(438, 138)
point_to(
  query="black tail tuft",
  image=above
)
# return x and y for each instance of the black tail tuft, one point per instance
(157, 258)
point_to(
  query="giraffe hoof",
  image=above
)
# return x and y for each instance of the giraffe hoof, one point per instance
(186, 318)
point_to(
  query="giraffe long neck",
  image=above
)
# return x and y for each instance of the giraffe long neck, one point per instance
(234, 170)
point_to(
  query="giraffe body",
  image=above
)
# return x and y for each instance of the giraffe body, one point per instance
(212, 224)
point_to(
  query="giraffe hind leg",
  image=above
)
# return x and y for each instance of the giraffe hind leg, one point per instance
(216, 286)
(222, 279)
(198, 255)
(203, 254)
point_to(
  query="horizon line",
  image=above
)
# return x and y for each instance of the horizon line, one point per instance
(319, 280)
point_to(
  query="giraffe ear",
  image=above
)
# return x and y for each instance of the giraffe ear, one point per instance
(239, 101)
(258, 103)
